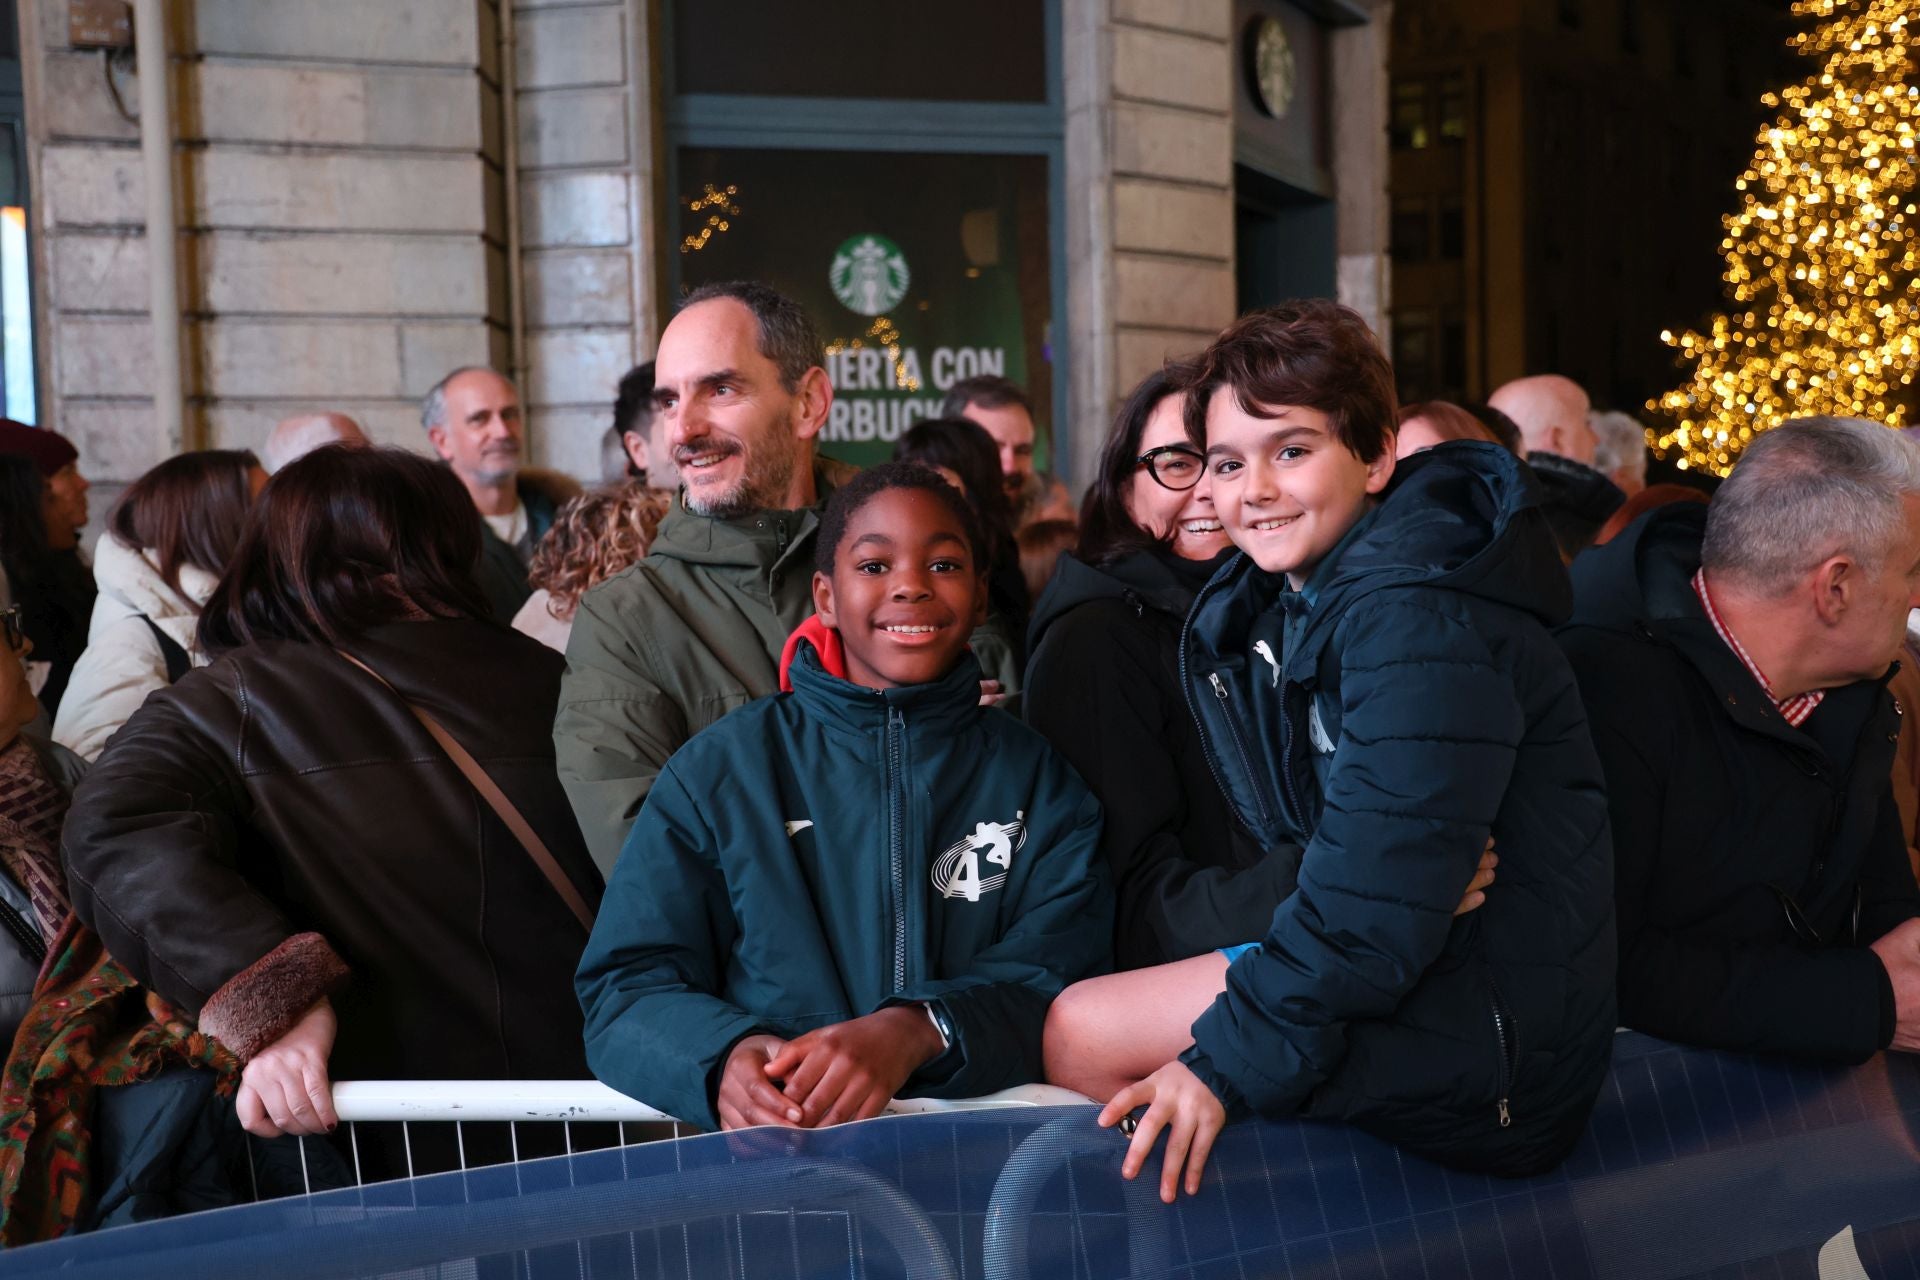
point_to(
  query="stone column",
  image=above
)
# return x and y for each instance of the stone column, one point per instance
(1361, 164)
(1149, 141)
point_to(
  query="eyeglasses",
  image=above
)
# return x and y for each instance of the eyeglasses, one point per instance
(10, 629)
(1175, 466)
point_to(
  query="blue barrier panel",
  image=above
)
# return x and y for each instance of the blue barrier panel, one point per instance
(1697, 1164)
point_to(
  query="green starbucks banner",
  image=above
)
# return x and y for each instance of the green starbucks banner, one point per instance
(918, 270)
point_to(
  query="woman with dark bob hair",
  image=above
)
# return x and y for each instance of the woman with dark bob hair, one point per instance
(1103, 685)
(167, 542)
(278, 844)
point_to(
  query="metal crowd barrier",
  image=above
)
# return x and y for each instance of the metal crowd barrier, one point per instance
(1697, 1166)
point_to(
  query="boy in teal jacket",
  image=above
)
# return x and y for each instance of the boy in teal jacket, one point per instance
(866, 886)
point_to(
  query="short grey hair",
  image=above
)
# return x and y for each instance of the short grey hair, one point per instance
(1620, 442)
(787, 336)
(1806, 491)
(433, 406)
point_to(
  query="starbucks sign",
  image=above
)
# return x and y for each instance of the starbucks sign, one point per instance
(869, 275)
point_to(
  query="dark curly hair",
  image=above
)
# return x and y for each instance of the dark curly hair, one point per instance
(869, 484)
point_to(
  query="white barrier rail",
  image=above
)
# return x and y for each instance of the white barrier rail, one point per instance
(588, 1100)
(565, 1103)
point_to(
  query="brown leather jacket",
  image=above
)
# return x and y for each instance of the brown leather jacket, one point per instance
(277, 825)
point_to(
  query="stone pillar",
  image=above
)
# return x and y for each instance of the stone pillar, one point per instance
(585, 119)
(1361, 165)
(1149, 142)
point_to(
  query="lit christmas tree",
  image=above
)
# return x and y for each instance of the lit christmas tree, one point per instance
(1821, 257)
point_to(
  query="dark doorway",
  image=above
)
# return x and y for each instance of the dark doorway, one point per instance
(1283, 241)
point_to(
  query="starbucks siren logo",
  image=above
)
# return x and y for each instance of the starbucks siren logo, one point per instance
(869, 275)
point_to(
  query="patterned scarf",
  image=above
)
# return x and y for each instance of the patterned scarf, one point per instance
(91, 1026)
(32, 807)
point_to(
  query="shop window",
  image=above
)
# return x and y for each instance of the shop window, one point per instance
(919, 269)
(982, 51)
(1630, 33)
(1453, 108)
(1412, 230)
(1453, 228)
(1412, 124)
(1453, 354)
(1572, 13)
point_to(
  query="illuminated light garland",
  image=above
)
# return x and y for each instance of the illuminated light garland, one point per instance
(712, 198)
(887, 338)
(1823, 256)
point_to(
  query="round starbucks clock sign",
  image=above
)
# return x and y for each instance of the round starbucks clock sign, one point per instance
(1270, 66)
(869, 275)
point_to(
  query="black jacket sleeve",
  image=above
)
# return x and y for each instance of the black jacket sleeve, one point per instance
(1765, 997)
(1098, 690)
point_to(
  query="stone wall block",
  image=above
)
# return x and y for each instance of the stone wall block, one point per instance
(117, 440)
(576, 209)
(76, 100)
(105, 356)
(1140, 351)
(1201, 17)
(1167, 219)
(348, 275)
(248, 189)
(579, 367)
(244, 424)
(100, 272)
(568, 439)
(92, 186)
(1182, 71)
(561, 47)
(434, 32)
(573, 128)
(429, 352)
(266, 103)
(1164, 293)
(333, 359)
(578, 288)
(1155, 142)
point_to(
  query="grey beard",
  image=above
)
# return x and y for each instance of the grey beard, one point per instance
(763, 485)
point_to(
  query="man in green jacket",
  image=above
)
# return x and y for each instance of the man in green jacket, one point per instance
(695, 629)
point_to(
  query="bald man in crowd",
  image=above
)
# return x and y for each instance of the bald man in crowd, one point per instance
(299, 436)
(1551, 412)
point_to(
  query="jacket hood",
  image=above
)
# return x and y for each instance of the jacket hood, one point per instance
(825, 642)
(756, 540)
(1465, 515)
(1576, 487)
(1645, 574)
(130, 578)
(1152, 579)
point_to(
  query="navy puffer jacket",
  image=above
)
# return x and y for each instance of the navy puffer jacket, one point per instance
(1424, 671)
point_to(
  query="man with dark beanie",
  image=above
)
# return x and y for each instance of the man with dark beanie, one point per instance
(43, 507)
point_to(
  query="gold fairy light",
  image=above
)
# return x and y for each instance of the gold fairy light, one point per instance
(718, 199)
(1823, 254)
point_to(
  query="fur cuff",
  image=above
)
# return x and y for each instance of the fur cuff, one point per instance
(261, 1003)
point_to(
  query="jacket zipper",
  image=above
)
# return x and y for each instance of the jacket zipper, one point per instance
(1239, 745)
(1503, 1031)
(896, 841)
(1296, 812)
(24, 933)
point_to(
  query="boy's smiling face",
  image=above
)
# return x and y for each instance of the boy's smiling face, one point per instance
(905, 593)
(1285, 488)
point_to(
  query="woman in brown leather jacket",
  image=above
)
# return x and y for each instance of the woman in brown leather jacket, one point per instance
(278, 845)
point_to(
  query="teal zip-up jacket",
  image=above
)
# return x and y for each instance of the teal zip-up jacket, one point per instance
(825, 853)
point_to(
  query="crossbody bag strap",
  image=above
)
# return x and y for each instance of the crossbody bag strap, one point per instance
(496, 799)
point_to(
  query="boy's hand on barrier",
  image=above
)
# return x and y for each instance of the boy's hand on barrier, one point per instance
(991, 694)
(1899, 952)
(284, 1088)
(851, 1070)
(1178, 1102)
(745, 1097)
(1475, 896)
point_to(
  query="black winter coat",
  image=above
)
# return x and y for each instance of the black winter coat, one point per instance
(1578, 499)
(1103, 687)
(1424, 671)
(1723, 814)
(278, 813)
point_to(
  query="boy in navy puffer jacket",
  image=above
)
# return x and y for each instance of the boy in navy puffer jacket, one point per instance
(866, 886)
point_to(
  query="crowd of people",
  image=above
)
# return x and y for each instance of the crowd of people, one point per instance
(1335, 758)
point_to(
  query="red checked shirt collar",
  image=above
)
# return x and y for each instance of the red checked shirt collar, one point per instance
(1796, 709)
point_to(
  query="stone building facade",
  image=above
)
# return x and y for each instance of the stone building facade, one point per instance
(370, 193)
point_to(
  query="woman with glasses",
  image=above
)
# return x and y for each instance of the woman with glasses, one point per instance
(1104, 686)
(36, 780)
